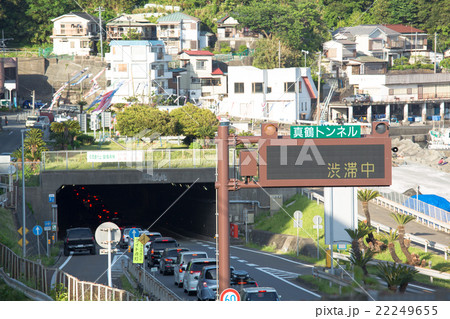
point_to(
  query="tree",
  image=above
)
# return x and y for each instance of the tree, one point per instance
(267, 56)
(357, 235)
(65, 132)
(297, 23)
(34, 145)
(366, 195)
(140, 118)
(193, 121)
(391, 238)
(402, 220)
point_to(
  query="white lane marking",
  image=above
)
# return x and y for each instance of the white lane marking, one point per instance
(211, 247)
(243, 261)
(252, 265)
(67, 260)
(265, 270)
(234, 257)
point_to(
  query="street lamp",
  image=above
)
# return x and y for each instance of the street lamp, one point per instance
(178, 90)
(305, 52)
(24, 243)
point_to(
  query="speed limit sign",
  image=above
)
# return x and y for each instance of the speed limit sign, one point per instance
(230, 294)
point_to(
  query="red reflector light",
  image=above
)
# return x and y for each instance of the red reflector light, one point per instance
(165, 240)
(242, 282)
(180, 271)
(192, 272)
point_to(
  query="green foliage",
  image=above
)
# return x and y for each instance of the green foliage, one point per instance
(34, 145)
(59, 293)
(65, 133)
(395, 275)
(402, 219)
(195, 122)
(445, 63)
(146, 120)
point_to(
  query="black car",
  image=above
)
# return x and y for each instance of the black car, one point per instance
(79, 239)
(168, 258)
(157, 247)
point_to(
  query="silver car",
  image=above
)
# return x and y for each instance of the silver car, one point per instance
(207, 283)
(260, 294)
(125, 240)
(181, 263)
(193, 271)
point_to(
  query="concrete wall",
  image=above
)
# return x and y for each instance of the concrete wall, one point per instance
(45, 76)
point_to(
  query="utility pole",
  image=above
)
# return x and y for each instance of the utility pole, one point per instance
(279, 53)
(33, 96)
(435, 57)
(100, 9)
(318, 91)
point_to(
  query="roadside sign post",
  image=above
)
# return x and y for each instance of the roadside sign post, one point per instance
(298, 223)
(317, 220)
(47, 228)
(107, 236)
(37, 230)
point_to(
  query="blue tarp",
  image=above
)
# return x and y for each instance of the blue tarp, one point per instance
(433, 200)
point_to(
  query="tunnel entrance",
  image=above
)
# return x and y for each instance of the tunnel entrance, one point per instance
(142, 205)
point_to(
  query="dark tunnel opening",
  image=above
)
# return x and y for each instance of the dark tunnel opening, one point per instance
(149, 206)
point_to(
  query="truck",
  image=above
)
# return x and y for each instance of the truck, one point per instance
(79, 239)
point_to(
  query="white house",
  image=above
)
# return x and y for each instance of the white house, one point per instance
(142, 65)
(75, 33)
(179, 32)
(283, 95)
(203, 79)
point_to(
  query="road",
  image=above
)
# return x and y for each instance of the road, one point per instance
(10, 138)
(267, 269)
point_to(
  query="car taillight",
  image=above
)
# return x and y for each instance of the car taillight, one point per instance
(262, 291)
(153, 251)
(205, 284)
(194, 272)
(242, 282)
(180, 270)
(256, 284)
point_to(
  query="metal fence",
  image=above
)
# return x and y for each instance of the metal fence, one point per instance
(150, 284)
(38, 277)
(425, 213)
(151, 158)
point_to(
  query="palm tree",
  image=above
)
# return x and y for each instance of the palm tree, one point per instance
(65, 132)
(402, 220)
(366, 195)
(356, 235)
(34, 144)
(391, 238)
(362, 260)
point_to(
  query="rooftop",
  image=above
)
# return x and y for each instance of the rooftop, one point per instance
(403, 28)
(199, 52)
(176, 17)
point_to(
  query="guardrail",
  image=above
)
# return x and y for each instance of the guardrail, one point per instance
(150, 284)
(399, 209)
(37, 275)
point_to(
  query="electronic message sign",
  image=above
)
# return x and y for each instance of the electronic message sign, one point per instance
(353, 161)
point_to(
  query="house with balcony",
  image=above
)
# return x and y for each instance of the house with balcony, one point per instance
(281, 95)
(75, 33)
(143, 68)
(179, 32)
(413, 40)
(139, 23)
(229, 32)
(204, 78)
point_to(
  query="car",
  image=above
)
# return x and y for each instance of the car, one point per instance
(157, 247)
(31, 120)
(365, 98)
(42, 123)
(241, 279)
(356, 98)
(181, 263)
(152, 236)
(168, 258)
(79, 239)
(193, 271)
(259, 294)
(207, 283)
(125, 239)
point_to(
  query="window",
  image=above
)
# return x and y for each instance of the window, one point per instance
(289, 87)
(200, 64)
(391, 91)
(299, 86)
(409, 91)
(269, 89)
(210, 82)
(257, 87)
(72, 44)
(195, 80)
(239, 87)
(122, 67)
(63, 29)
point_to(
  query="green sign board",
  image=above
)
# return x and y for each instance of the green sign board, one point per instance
(332, 131)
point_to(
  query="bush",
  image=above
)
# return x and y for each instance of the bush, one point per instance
(85, 139)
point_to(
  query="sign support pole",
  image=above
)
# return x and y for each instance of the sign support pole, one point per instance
(222, 200)
(109, 258)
